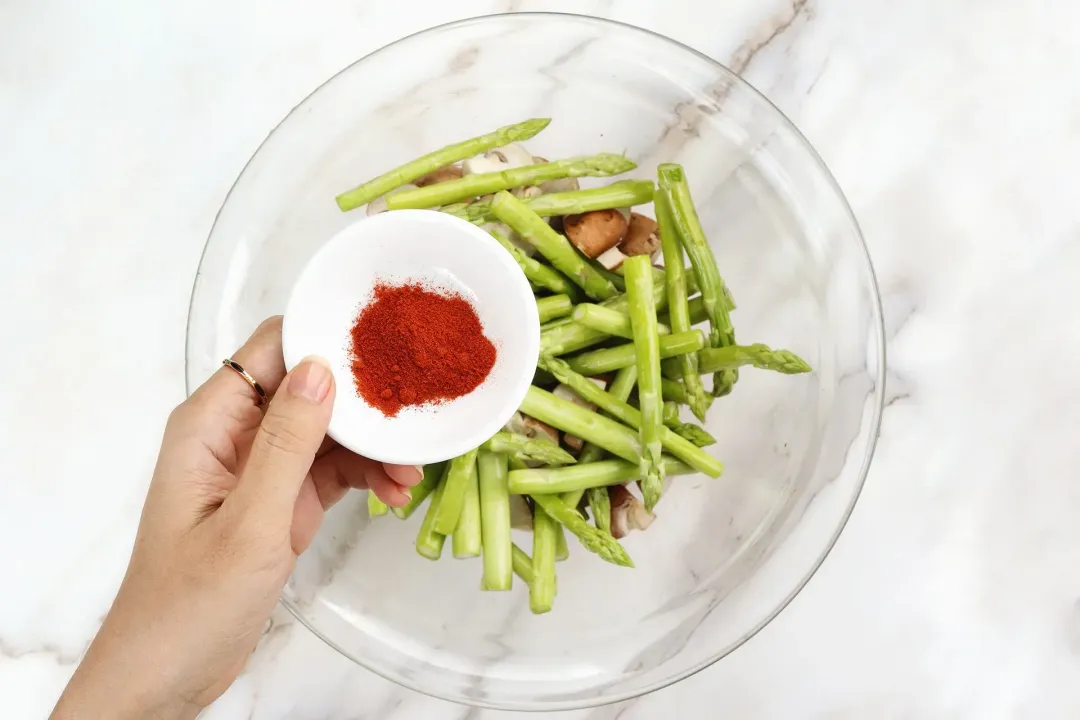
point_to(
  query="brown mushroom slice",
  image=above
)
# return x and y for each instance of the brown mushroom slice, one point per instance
(527, 193)
(594, 233)
(612, 259)
(642, 237)
(627, 512)
(443, 174)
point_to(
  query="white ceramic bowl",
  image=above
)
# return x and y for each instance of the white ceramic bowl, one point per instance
(442, 250)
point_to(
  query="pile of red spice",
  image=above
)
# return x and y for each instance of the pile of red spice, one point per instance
(413, 345)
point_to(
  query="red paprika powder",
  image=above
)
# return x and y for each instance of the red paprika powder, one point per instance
(413, 345)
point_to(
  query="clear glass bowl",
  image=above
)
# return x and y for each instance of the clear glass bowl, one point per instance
(724, 556)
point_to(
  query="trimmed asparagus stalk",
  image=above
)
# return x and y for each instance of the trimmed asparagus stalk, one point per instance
(617, 439)
(433, 474)
(455, 487)
(608, 321)
(522, 563)
(678, 305)
(428, 542)
(592, 539)
(540, 449)
(471, 186)
(550, 481)
(495, 520)
(562, 550)
(555, 306)
(363, 194)
(625, 193)
(538, 273)
(685, 220)
(598, 362)
(556, 248)
(623, 411)
(570, 337)
(375, 506)
(639, 288)
(758, 355)
(466, 541)
(542, 587)
(600, 507)
(620, 387)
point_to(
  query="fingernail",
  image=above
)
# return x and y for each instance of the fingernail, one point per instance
(406, 492)
(311, 379)
(419, 472)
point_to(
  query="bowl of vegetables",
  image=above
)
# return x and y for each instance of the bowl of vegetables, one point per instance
(709, 381)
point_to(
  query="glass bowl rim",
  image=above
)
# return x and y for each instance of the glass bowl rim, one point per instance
(878, 329)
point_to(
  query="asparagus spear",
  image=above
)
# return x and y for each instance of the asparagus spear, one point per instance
(495, 520)
(540, 449)
(694, 433)
(617, 439)
(625, 193)
(678, 306)
(466, 541)
(549, 481)
(553, 307)
(433, 473)
(456, 485)
(620, 387)
(626, 413)
(562, 550)
(639, 288)
(592, 539)
(538, 273)
(600, 507)
(556, 248)
(428, 542)
(375, 506)
(685, 220)
(572, 336)
(472, 186)
(671, 413)
(608, 321)
(598, 362)
(522, 563)
(363, 194)
(542, 587)
(758, 355)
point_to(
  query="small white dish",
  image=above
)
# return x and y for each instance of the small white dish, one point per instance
(442, 250)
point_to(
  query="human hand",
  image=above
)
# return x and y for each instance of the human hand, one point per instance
(235, 498)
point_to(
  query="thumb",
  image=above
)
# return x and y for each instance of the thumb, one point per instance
(288, 438)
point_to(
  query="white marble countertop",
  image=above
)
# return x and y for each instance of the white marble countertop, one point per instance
(954, 128)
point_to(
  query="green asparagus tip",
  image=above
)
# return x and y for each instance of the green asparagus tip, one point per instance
(525, 130)
(611, 164)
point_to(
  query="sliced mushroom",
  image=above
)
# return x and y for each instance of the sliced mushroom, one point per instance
(627, 512)
(596, 232)
(378, 205)
(521, 517)
(642, 237)
(561, 185)
(535, 429)
(527, 192)
(612, 258)
(502, 158)
(444, 174)
(513, 155)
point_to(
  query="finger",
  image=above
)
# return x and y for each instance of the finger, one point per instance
(339, 470)
(407, 475)
(261, 356)
(288, 438)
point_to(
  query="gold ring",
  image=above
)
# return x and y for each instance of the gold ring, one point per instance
(229, 363)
